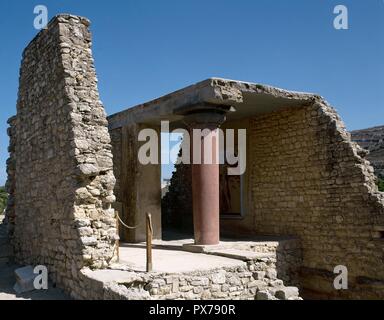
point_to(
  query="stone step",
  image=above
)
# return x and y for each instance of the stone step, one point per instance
(24, 279)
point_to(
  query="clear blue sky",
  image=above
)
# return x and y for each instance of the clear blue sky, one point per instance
(144, 49)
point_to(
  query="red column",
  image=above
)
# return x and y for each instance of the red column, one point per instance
(205, 191)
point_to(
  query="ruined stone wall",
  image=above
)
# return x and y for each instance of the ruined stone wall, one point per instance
(60, 170)
(10, 183)
(176, 205)
(309, 180)
(372, 139)
(251, 279)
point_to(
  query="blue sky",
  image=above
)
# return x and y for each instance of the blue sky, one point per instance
(144, 49)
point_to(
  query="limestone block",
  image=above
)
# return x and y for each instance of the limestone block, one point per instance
(24, 279)
(218, 278)
(263, 295)
(287, 293)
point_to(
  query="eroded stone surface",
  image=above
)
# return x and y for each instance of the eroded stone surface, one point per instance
(60, 175)
(307, 179)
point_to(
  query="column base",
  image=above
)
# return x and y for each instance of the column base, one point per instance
(200, 248)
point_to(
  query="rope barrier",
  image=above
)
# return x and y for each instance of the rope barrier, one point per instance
(125, 225)
(149, 235)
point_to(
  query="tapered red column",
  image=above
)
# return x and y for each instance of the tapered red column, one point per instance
(205, 189)
(205, 118)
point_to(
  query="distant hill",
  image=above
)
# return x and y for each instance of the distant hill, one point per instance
(372, 139)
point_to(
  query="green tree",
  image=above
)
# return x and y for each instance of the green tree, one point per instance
(381, 185)
(3, 199)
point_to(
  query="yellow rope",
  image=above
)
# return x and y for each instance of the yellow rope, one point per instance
(125, 225)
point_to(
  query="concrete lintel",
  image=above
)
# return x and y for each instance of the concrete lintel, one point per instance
(204, 108)
(247, 98)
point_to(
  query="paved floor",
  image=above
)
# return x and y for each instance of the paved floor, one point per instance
(7, 280)
(172, 261)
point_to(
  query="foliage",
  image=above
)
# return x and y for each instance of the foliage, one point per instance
(3, 199)
(381, 185)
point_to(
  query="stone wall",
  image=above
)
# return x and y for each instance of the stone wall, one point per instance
(372, 139)
(6, 251)
(10, 183)
(251, 279)
(60, 175)
(307, 179)
(176, 205)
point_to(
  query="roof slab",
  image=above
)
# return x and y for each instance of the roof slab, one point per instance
(242, 99)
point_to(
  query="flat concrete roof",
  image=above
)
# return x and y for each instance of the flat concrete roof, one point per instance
(248, 99)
